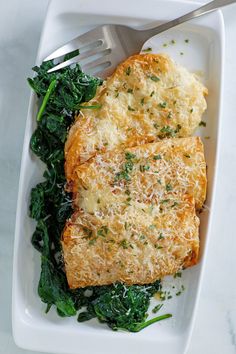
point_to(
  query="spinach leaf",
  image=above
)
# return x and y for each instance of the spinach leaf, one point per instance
(122, 307)
(52, 286)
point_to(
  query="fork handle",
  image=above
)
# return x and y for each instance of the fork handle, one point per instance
(213, 5)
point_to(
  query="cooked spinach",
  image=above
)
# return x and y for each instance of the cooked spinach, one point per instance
(52, 287)
(61, 94)
(50, 204)
(122, 307)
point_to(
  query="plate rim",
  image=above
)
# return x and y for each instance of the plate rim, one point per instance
(16, 323)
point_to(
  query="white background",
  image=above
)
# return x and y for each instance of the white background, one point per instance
(215, 327)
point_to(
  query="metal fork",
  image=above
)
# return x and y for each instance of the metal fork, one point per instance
(104, 47)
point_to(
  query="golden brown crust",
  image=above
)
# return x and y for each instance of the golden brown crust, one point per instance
(148, 97)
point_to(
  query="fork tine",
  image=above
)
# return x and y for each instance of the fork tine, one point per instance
(76, 43)
(93, 65)
(64, 64)
(103, 51)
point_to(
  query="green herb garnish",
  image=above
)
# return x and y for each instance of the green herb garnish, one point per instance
(160, 237)
(152, 93)
(127, 168)
(144, 168)
(202, 124)
(149, 49)
(130, 108)
(169, 187)
(154, 78)
(128, 70)
(162, 105)
(157, 308)
(103, 231)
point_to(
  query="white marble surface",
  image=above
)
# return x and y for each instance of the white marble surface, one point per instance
(215, 327)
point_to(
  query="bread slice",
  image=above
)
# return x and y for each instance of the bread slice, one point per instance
(148, 245)
(149, 97)
(136, 219)
(157, 170)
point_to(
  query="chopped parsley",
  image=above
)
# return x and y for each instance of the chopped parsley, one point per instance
(187, 155)
(103, 231)
(164, 295)
(186, 40)
(156, 126)
(152, 93)
(130, 90)
(130, 108)
(127, 168)
(164, 201)
(128, 70)
(129, 155)
(154, 78)
(178, 275)
(157, 157)
(167, 131)
(162, 105)
(142, 237)
(169, 187)
(202, 124)
(148, 49)
(172, 41)
(144, 168)
(125, 244)
(142, 101)
(126, 225)
(157, 308)
(160, 237)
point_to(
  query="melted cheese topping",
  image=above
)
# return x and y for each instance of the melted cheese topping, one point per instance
(147, 98)
(136, 216)
(149, 244)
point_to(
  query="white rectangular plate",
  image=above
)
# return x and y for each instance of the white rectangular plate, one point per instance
(32, 328)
